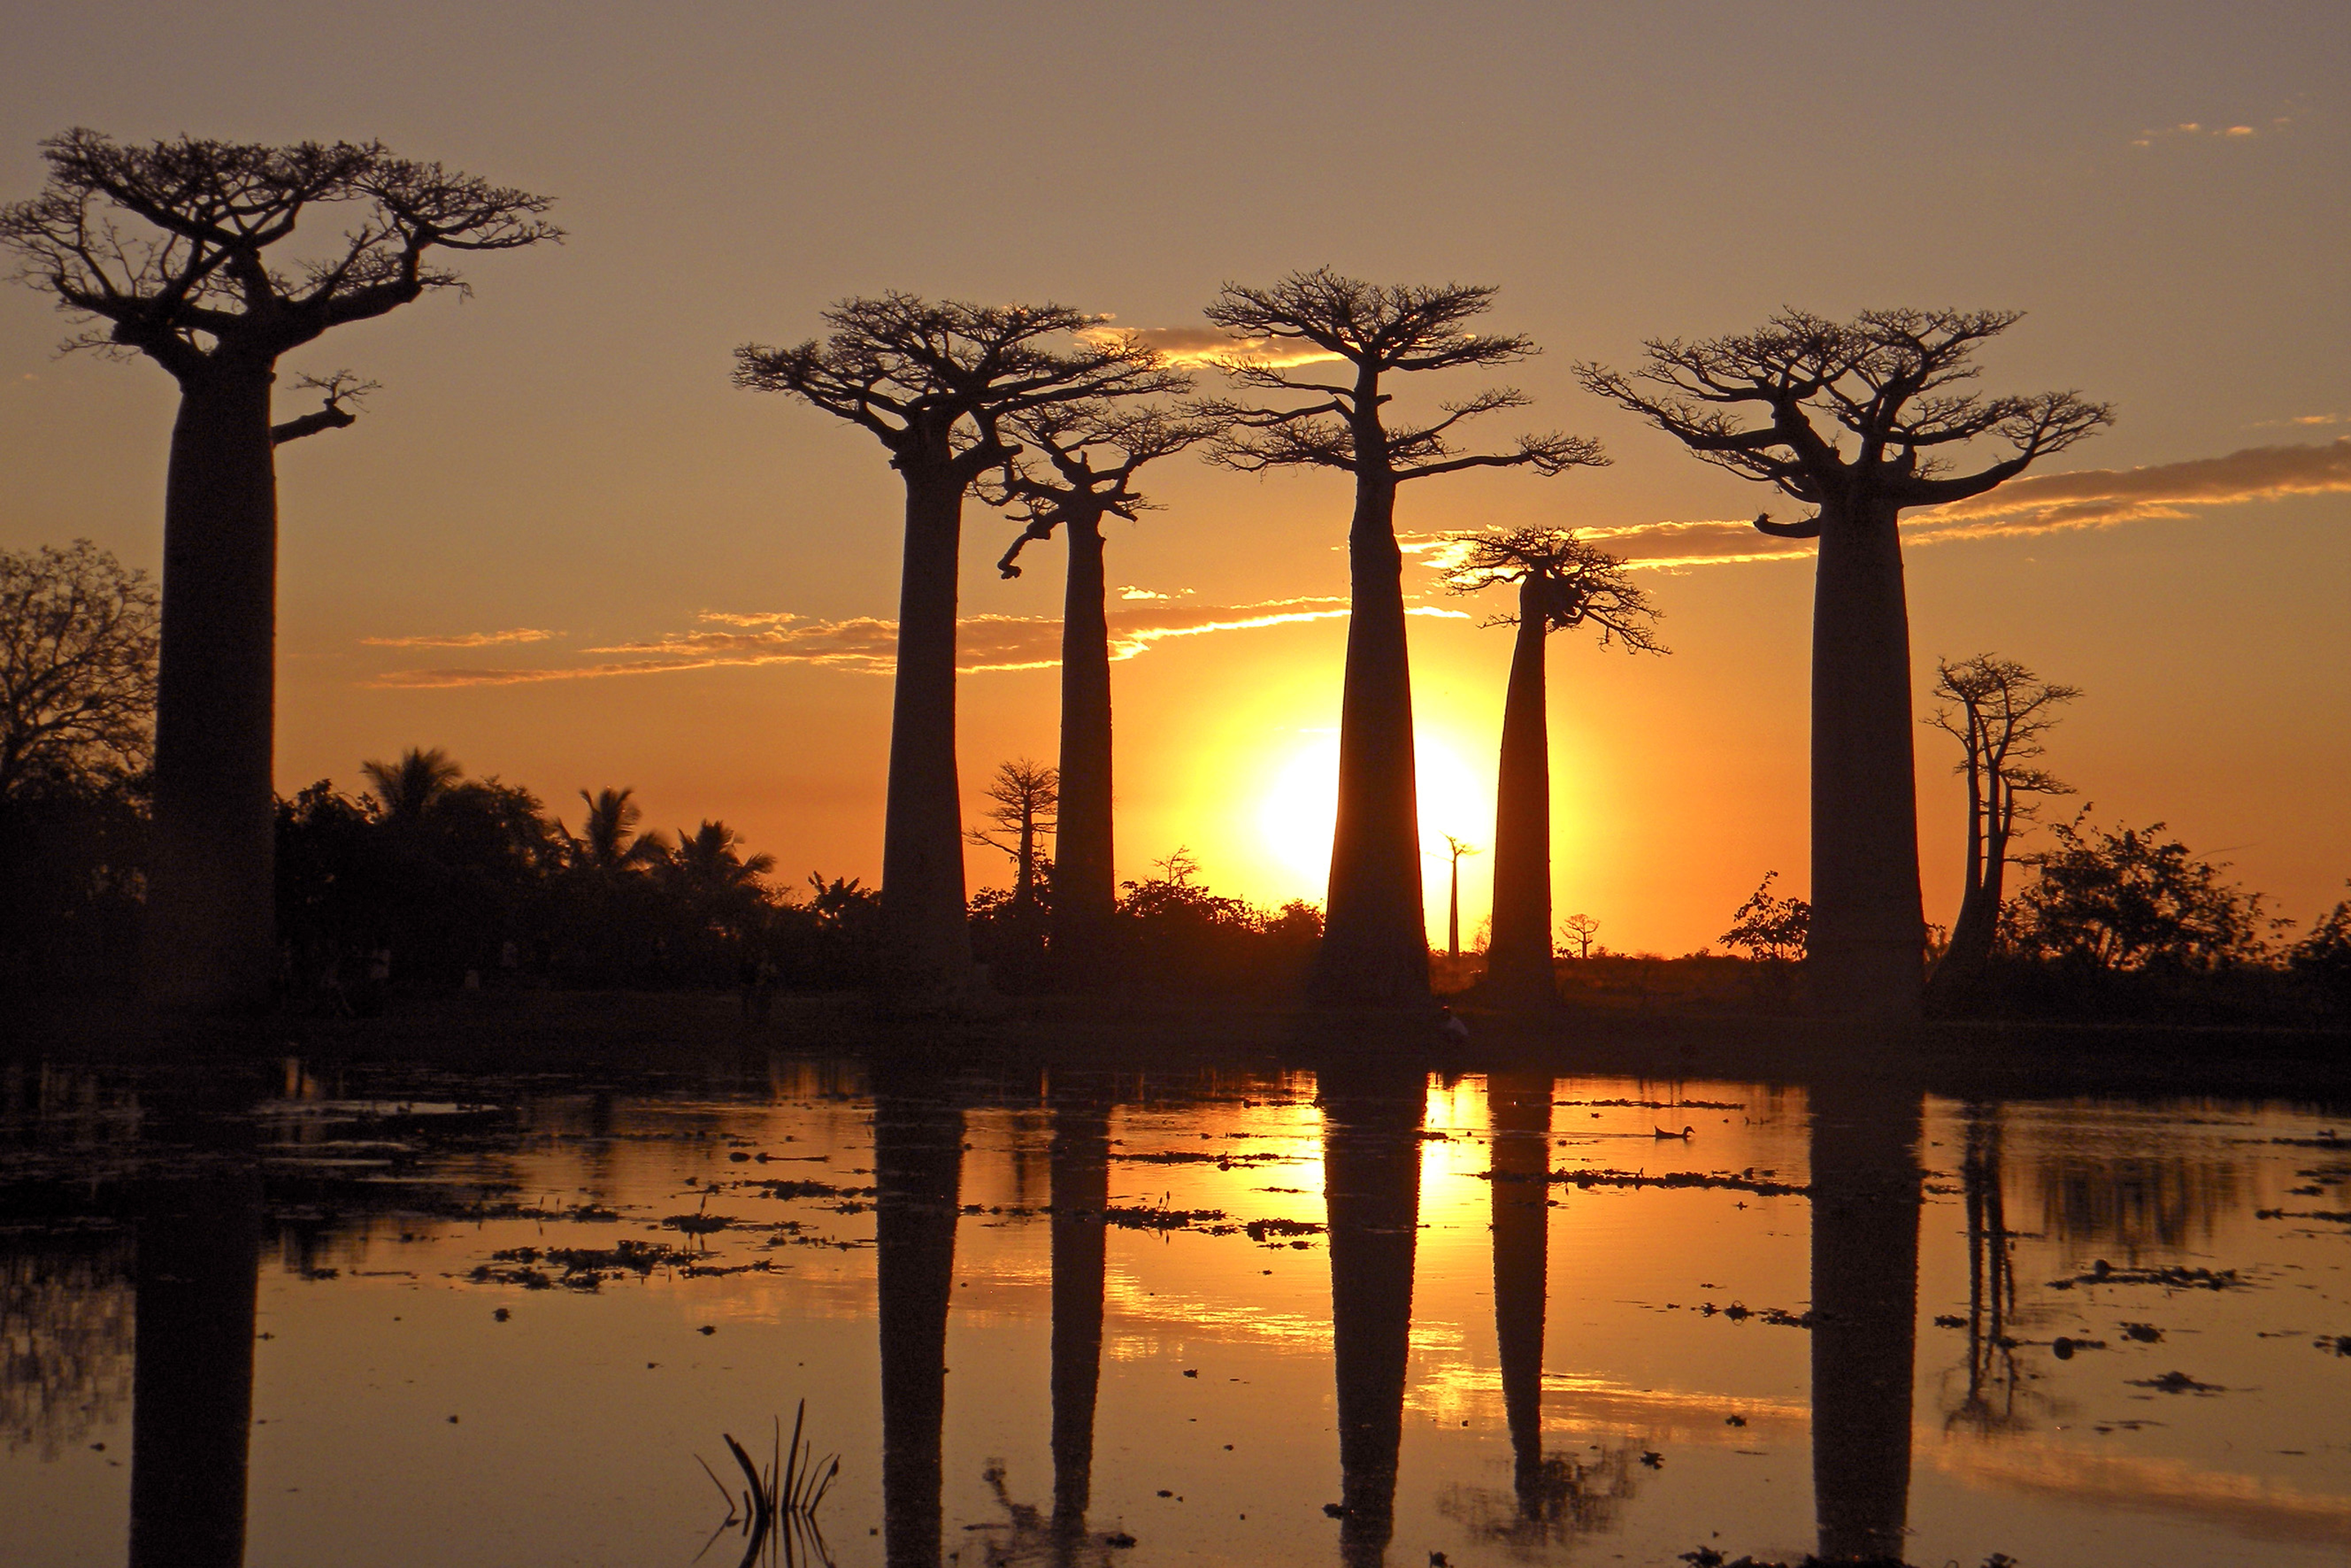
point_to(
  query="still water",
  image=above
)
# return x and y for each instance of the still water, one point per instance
(377, 1317)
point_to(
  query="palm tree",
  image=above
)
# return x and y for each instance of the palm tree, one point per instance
(710, 859)
(412, 786)
(1563, 583)
(607, 837)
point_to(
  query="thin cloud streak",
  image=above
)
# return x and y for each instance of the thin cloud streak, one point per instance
(464, 639)
(1193, 346)
(2036, 504)
(868, 645)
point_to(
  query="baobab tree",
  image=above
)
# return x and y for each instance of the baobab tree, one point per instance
(1454, 850)
(1078, 469)
(184, 251)
(1022, 800)
(1374, 947)
(1899, 383)
(936, 384)
(1564, 583)
(1998, 710)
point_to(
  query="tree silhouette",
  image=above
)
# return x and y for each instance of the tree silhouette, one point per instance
(1085, 458)
(76, 665)
(1375, 946)
(1579, 929)
(1454, 850)
(415, 784)
(166, 250)
(1898, 381)
(1563, 583)
(608, 839)
(936, 384)
(1022, 797)
(2002, 711)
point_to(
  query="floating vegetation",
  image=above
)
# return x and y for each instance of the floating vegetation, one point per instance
(2172, 1277)
(1659, 1104)
(1737, 1312)
(777, 1511)
(2333, 1215)
(1223, 1162)
(1746, 1181)
(2176, 1383)
(793, 1189)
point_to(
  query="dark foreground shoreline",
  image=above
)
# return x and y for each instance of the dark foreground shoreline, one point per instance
(696, 1031)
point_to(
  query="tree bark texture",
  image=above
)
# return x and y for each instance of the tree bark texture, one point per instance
(1374, 947)
(922, 908)
(1085, 879)
(191, 1381)
(1370, 1165)
(210, 939)
(917, 1180)
(1865, 1182)
(1518, 956)
(1866, 953)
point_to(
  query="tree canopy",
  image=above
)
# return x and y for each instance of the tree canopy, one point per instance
(77, 634)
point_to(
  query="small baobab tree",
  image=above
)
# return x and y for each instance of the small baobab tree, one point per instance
(937, 385)
(1022, 802)
(187, 252)
(1898, 383)
(1078, 468)
(1998, 710)
(1454, 850)
(1563, 583)
(1375, 946)
(1579, 929)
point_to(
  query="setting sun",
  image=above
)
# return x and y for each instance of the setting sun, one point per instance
(1297, 814)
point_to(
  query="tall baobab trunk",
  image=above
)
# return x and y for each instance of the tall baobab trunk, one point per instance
(1085, 880)
(917, 1176)
(1519, 1110)
(923, 915)
(1518, 956)
(211, 926)
(1374, 946)
(1866, 1206)
(1370, 1165)
(1991, 822)
(192, 1379)
(1081, 1164)
(1867, 952)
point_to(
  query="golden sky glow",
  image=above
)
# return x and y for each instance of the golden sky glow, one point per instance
(560, 545)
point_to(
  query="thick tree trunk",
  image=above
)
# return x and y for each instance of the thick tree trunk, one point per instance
(1371, 1170)
(923, 913)
(210, 927)
(917, 1176)
(1518, 958)
(1519, 1108)
(1866, 948)
(1866, 1203)
(1085, 880)
(192, 1381)
(1978, 926)
(1374, 947)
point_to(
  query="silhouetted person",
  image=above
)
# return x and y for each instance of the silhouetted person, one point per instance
(192, 1391)
(1080, 1167)
(1899, 381)
(917, 1180)
(1374, 947)
(1865, 1198)
(1518, 1109)
(1371, 1178)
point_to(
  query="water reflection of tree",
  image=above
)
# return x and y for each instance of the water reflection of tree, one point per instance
(2134, 1204)
(65, 1340)
(1994, 1401)
(1555, 1500)
(917, 1174)
(1030, 1536)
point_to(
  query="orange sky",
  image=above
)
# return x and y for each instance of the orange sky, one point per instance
(561, 453)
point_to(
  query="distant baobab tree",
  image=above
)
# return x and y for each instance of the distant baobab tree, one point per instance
(1078, 468)
(1579, 929)
(1375, 946)
(1998, 710)
(936, 384)
(1023, 799)
(1455, 849)
(1898, 383)
(1563, 583)
(183, 251)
